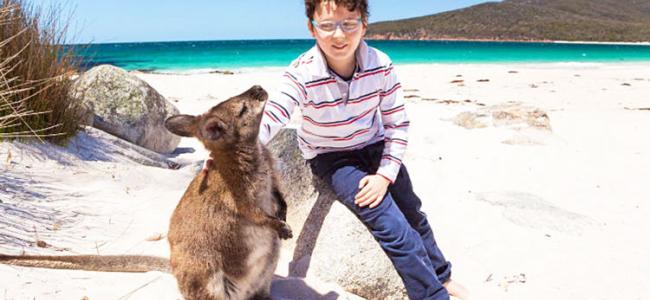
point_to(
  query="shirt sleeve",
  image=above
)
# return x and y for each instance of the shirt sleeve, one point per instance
(280, 105)
(396, 123)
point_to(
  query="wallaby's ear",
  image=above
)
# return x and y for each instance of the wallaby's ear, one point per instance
(183, 125)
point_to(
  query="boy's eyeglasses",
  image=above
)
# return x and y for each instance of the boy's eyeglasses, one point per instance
(347, 25)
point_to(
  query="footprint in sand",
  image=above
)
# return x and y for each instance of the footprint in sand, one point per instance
(506, 281)
(531, 211)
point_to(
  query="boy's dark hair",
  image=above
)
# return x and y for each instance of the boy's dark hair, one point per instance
(351, 5)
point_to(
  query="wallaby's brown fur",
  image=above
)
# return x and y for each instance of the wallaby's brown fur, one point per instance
(224, 234)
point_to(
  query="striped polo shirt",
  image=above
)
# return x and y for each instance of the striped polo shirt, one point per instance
(333, 119)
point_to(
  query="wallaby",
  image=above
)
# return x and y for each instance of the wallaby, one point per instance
(224, 233)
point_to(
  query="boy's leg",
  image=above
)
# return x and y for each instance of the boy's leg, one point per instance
(390, 228)
(409, 203)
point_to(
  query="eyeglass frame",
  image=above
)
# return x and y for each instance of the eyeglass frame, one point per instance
(338, 24)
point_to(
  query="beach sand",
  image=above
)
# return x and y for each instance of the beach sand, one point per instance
(534, 178)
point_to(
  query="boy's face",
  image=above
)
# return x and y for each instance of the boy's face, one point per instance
(338, 46)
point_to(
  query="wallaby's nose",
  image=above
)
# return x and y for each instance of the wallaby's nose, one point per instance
(258, 93)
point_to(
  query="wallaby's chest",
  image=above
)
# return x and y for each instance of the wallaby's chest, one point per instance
(213, 196)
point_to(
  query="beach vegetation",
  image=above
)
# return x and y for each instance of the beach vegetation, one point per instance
(35, 72)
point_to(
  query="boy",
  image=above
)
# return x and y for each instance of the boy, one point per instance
(354, 135)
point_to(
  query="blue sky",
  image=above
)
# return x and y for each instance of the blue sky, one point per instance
(101, 21)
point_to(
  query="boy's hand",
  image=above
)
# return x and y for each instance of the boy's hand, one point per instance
(373, 188)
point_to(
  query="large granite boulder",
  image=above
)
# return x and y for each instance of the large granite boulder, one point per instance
(331, 244)
(125, 106)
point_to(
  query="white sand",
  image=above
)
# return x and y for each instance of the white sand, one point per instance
(546, 215)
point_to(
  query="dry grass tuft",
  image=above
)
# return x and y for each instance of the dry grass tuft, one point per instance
(35, 69)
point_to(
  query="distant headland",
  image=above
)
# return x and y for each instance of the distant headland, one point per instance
(528, 20)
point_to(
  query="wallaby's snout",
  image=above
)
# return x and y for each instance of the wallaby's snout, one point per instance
(257, 92)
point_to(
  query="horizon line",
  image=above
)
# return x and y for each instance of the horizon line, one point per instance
(370, 39)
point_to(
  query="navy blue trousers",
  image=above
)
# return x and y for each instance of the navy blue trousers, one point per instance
(399, 226)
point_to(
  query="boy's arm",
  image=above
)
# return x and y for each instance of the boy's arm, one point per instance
(396, 125)
(280, 105)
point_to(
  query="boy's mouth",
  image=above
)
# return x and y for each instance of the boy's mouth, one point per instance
(339, 47)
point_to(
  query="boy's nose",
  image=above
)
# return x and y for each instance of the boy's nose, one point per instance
(338, 32)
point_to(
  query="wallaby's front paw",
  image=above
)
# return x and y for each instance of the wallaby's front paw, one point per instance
(285, 231)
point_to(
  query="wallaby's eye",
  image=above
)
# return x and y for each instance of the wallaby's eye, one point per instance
(244, 109)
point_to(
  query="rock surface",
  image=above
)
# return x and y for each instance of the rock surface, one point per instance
(125, 106)
(331, 244)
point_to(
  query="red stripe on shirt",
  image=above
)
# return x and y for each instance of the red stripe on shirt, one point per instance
(396, 126)
(300, 88)
(391, 91)
(393, 159)
(278, 107)
(320, 83)
(340, 101)
(396, 142)
(352, 136)
(392, 112)
(272, 117)
(341, 123)
(364, 98)
(324, 104)
(388, 71)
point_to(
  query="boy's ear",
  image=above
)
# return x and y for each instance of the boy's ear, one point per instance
(183, 125)
(310, 27)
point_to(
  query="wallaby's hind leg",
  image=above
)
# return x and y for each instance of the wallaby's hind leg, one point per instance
(201, 286)
(261, 295)
(264, 293)
(196, 290)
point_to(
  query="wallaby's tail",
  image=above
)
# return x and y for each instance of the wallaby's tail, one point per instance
(101, 263)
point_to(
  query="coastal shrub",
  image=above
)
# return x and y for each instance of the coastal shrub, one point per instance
(35, 71)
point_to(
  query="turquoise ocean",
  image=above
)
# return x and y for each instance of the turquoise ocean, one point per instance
(232, 54)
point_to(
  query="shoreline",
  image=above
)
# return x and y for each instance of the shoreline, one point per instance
(647, 43)
(243, 70)
(604, 43)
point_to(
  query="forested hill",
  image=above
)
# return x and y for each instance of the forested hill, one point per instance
(528, 20)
